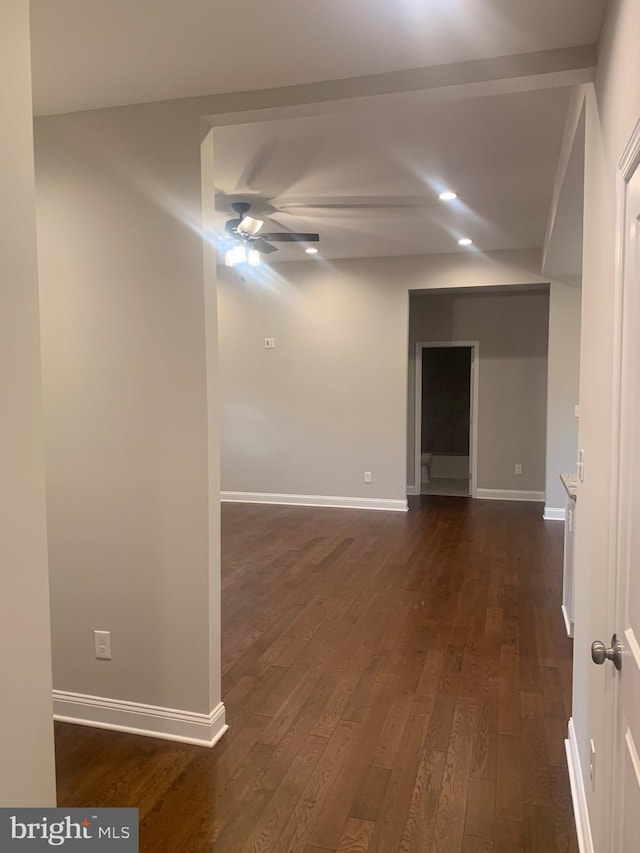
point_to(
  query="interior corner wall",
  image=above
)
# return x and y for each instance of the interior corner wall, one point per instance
(27, 772)
(613, 109)
(127, 441)
(512, 378)
(563, 386)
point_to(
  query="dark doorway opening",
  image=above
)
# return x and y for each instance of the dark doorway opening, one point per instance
(445, 434)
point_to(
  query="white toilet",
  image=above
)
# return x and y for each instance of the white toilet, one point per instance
(425, 464)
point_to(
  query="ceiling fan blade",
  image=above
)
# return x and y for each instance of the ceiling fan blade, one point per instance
(253, 171)
(263, 247)
(292, 237)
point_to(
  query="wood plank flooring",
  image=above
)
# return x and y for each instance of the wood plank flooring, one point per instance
(393, 682)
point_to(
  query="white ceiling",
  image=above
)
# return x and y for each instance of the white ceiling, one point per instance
(96, 53)
(368, 181)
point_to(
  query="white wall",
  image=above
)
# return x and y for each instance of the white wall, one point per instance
(612, 112)
(27, 774)
(563, 385)
(130, 457)
(311, 416)
(512, 376)
(330, 402)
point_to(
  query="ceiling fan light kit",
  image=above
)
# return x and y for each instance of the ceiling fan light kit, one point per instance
(250, 244)
(239, 254)
(236, 255)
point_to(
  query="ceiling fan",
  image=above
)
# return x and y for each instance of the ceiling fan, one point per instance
(250, 243)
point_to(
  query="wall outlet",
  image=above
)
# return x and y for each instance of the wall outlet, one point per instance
(367, 476)
(592, 763)
(102, 640)
(269, 343)
(518, 468)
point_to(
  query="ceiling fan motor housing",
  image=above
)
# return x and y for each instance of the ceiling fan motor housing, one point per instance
(241, 208)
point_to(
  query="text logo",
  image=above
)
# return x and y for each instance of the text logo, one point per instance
(32, 829)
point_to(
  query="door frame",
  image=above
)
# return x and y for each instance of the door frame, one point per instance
(474, 346)
(628, 165)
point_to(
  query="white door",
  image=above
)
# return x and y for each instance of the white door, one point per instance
(625, 806)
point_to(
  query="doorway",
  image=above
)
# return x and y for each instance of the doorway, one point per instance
(446, 400)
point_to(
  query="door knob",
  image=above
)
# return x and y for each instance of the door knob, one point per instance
(600, 653)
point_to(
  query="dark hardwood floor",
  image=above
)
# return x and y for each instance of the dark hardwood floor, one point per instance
(392, 682)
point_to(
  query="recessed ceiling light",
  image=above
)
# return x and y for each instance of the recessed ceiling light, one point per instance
(447, 196)
(465, 241)
(311, 251)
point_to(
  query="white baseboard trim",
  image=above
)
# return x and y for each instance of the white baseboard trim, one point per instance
(578, 795)
(508, 495)
(411, 490)
(137, 719)
(314, 500)
(554, 513)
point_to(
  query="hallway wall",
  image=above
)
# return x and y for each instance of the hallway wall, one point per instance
(27, 773)
(613, 108)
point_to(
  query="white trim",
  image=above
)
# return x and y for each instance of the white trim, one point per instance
(411, 490)
(509, 495)
(628, 163)
(474, 346)
(135, 718)
(554, 513)
(578, 795)
(568, 624)
(630, 159)
(315, 500)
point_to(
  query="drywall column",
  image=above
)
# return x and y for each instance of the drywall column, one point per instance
(563, 388)
(27, 774)
(133, 507)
